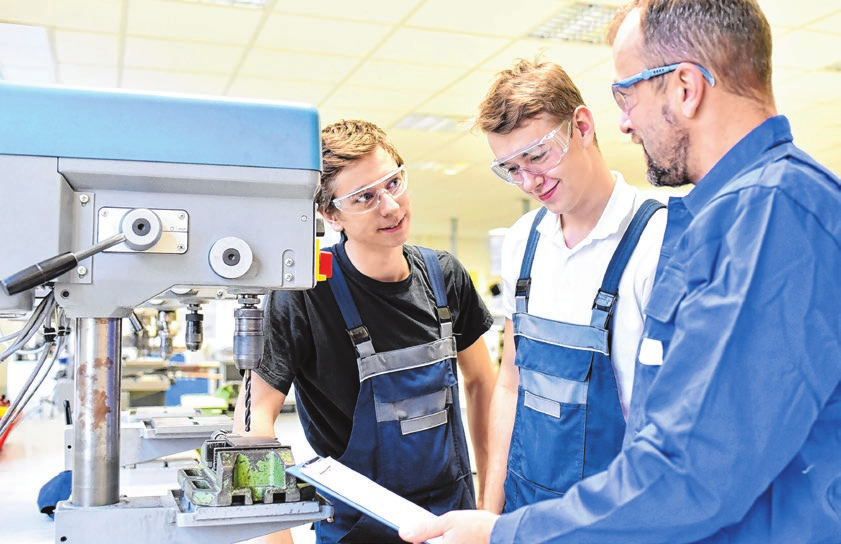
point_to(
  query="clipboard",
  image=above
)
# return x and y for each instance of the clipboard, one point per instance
(360, 492)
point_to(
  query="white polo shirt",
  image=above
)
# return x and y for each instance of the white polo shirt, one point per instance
(565, 281)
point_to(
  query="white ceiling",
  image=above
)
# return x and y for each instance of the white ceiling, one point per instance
(382, 60)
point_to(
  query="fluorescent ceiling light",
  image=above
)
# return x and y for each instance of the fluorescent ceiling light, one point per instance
(431, 123)
(25, 54)
(578, 22)
(255, 4)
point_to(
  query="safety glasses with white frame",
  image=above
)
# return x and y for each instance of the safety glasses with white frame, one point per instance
(623, 100)
(536, 158)
(367, 198)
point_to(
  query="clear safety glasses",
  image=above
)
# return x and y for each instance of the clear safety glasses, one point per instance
(623, 100)
(367, 198)
(537, 158)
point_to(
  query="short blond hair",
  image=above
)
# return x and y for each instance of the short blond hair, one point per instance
(343, 143)
(530, 88)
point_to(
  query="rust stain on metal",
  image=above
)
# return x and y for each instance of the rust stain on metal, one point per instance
(103, 362)
(101, 408)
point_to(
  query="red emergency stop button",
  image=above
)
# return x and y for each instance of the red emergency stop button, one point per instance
(325, 265)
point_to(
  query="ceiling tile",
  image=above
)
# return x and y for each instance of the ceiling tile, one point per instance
(815, 128)
(468, 146)
(484, 17)
(415, 145)
(401, 75)
(297, 66)
(86, 47)
(278, 89)
(788, 13)
(91, 15)
(831, 24)
(175, 82)
(575, 58)
(191, 21)
(796, 89)
(372, 98)
(319, 35)
(383, 119)
(191, 57)
(25, 48)
(374, 11)
(594, 85)
(806, 50)
(438, 48)
(82, 75)
(462, 98)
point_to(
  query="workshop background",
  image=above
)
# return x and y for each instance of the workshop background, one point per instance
(419, 68)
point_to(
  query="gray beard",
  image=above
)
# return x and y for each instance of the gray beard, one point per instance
(676, 174)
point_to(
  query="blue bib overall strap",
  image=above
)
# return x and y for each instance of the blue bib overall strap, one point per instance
(358, 332)
(407, 433)
(568, 401)
(436, 278)
(521, 292)
(604, 304)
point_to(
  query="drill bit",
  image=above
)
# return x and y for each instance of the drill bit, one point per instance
(247, 377)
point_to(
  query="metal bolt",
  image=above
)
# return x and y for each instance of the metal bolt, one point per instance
(289, 261)
(180, 247)
(220, 293)
(104, 213)
(181, 216)
(82, 271)
(304, 218)
(288, 277)
(84, 199)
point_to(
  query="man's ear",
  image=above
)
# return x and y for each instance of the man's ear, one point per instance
(691, 87)
(331, 219)
(582, 121)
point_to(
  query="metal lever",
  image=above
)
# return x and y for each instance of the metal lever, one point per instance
(48, 269)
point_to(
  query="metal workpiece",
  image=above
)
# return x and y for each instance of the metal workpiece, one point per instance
(242, 470)
(96, 476)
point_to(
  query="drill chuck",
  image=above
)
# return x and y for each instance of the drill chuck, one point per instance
(248, 337)
(194, 333)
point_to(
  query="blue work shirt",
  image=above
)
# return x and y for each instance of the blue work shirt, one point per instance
(738, 432)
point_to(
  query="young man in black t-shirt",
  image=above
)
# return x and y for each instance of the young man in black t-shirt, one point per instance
(374, 420)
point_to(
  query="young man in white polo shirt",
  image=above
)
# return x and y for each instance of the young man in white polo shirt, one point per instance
(574, 288)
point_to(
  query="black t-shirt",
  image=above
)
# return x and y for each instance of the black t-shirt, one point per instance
(307, 341)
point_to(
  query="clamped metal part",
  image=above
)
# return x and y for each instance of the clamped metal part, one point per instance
(243, 470)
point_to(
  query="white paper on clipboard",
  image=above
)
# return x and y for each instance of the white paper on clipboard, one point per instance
(367, 496)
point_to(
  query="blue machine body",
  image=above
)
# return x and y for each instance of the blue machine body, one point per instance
(118, 125)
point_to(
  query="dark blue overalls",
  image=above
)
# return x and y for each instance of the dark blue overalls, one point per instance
(407, 433)
(569, 422)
